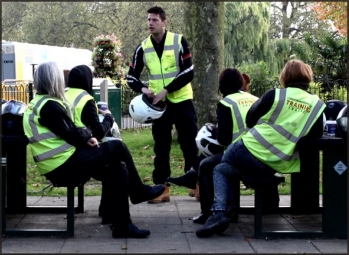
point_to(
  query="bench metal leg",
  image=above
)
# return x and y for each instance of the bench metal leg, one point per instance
(80, 207)
(70, 210)
(259, 233)
(258, 213)
(70, 213)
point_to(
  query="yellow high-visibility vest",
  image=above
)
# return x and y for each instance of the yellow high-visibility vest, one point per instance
(49, 151)
(162, 71)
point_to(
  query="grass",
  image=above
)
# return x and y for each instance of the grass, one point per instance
(140, 144)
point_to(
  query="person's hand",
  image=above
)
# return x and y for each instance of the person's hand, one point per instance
(148, 92)
(92, 142)
(161, 95)
(104, 112)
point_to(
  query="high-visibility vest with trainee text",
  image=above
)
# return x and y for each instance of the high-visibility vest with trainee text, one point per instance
(274, 138)
(239, 104)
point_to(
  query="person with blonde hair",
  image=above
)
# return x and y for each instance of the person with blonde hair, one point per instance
(61, 150)
(277, 121)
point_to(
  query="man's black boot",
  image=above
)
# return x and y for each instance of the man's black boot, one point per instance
(216, 223)
(187, 180)
(130, 231)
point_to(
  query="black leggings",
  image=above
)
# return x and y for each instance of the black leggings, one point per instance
(105, 163)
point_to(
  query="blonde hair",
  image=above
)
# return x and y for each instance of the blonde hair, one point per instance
(295, 71)
(49, 80)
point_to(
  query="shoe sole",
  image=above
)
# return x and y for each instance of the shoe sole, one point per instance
(223, 224)
(158, 201)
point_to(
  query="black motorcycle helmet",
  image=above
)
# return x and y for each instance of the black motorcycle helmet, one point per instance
(342, 123)
(333, 107)
(12, 117)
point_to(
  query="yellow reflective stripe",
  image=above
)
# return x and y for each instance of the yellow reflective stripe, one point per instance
(176, 44)
(77, 100)
(52, 153)
(275, 151)
(40, 137)
(239, 119)
(165, 76)
(289, 136)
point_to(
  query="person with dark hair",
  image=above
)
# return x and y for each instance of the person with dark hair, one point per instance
(231, 113)
(276, 122)
(167, 57)
(63, 150)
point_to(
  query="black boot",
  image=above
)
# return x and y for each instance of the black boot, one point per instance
(129, 231)
(147, 193)
(201, 218)
(216, 223)
(187, 180)
(232, 213)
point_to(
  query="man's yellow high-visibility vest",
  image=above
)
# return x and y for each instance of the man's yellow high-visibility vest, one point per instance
(162, 71)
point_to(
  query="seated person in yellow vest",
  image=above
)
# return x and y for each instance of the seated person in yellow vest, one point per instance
(277, 121)
(231, 114)
(167, 58)
(62, 150)
(85, 114)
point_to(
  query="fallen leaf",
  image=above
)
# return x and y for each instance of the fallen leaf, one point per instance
(123, 247)
(36, 185)
(146, 179)
(146, 147)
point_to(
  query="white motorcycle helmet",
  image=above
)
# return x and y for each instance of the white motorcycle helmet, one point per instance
(206, 143)
(342, 122)
(12, 117)
(13, 107)
(143, 111)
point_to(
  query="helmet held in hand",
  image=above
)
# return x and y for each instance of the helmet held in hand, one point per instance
(143, 111)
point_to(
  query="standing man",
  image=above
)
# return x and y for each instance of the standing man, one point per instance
(167, 57)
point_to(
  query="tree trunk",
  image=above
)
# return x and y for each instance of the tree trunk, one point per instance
(205, 34)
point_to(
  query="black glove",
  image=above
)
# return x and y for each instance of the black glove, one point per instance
(212, 128)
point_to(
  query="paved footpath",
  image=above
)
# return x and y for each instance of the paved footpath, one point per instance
(172, 231)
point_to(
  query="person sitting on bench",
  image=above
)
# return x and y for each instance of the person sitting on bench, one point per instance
(61, 150)
(277, 121)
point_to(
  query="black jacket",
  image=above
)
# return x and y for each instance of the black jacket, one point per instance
(80, 77)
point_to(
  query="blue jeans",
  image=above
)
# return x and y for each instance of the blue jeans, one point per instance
(237, 161)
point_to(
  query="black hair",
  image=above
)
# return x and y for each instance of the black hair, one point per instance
(230, 81)
(158, 10)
